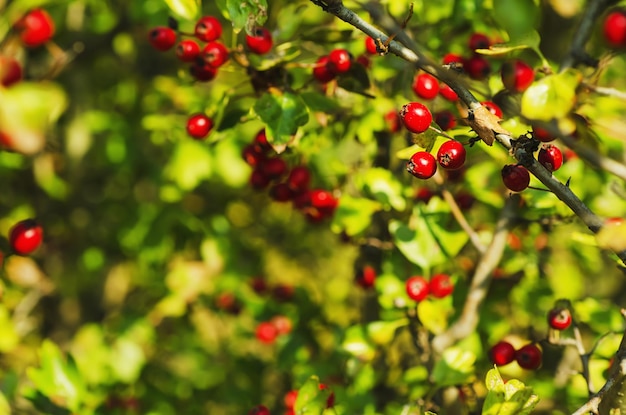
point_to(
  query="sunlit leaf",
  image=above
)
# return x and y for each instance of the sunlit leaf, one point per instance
(456, 367)
(187, 9)
(551, 97)
(283, 113)
(246, 14)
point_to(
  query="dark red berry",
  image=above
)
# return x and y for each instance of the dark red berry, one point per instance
(559, 318)
(529, 356)
(479, 41)
(441, 285)
(392, 119)
(422, 165)
(260, 42)
(550, 157)
(477, 67)
(424, 194)
(493, 108)
(259, 410)
(260, 140)
(202, 72)
(10, 71)
(187, 50)
(228, 303)
(370, 46)
(465, 200)
(215, 54)
(35, 28)
(283, 292)
(615, 29)
(253, 155)
(322, 72)
(517, 75)
(416, 117)
(258, 179)
(502, 353)
(273, 167)
(451, 155)
(445, 120)
(299, 179)
(542, 134)
(280, 192)
(366, 276)
(25, 236)
(515, 177)
(339, 61)
(447, 92)
(330, 401)
(417, 288)
(208, 29)
(199, 126)
(162, 38)
(426, 86)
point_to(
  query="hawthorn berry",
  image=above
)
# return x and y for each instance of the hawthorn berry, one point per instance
(299, 179)
(162, 38)
(392, 119)
(417, 288)
(445, 120)
(266, 332)
(260, 140)
(517, 75)
(35, 28)
(283, 292)
(323, 200)
(215, 54)
(259, 410)
(422, 165)
(10, 71)
(529, 356)
(187, 50)
(477, 67)
(515, 177)
(493, 108)
(426, 86)
(280, 192)
(253, 155)
(282, 324)
(416, 117)
(440, 285)
(615, 29)
(365, 276)
(202, 72)
(542, 134)
(465, 200)
(321, 70)
(199, 126)
(550, 157)
(260, 42)
(370, 46)
(502, 353)
(450, 58)
(447, 92)
(258, 179)
(451, 155)
(339, 61)
(330, 401)
(559, 318)
(25, 236)
(208, 28)
(228, 302)
(273, 167)
(479, 41)
(424, 194)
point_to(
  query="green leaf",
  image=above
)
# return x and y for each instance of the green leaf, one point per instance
(383, 332)
(434, 314)
(189, 165)
(354, 215)
(283, 113)
(551, 97)
(187, 9)
(357, 344)
(311, 400)
(389, 288)
(317, 102)
(384, 187)
(456, 367)
(511, 398)
(246, 14)
(518, 17)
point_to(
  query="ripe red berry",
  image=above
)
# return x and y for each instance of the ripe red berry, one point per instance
(550, 157)
(559, 318)
(258, 179)
(445, 120)
(451, 155)
(615, 29)
(228, 303)
(266, 332)
(321, 71)
(208, 28)
(417, 288)
(515, 177)
(290, 398)
(517, 75)
(330, 401)
(339, 61)
(542, 134)
(260, 140)
(273, 167)
(282, 324)
(529, 356)
(426, 86)
(452, 58)
(392, 119)
(366, 276)
(202, 72)
(283, 292)
(25, 236)
(416, 117)
(10, 71)
(440, 285)
(199, 126)
(252, 154)
(370, 46)
(280, 192)
(35, 28)
(447, 92)
(477, 67)
(493, 108)
(259, 410)
(260, 42)
(424, 194)
(299, 179)
(479, 41)
(502, 353)
(187, 50)
(422, 165)
(162, 38)
(215, 54)
(323, 200)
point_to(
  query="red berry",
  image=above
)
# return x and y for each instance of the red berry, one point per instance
(559, 318)
(258, 179)
(615, 29)
(517, 75)
(465, 200)
(283, 292)
(416, 117)
(452, 58)
(550, 157)
(25, 236)
(330, 401)
(290, 398)
(282, 324)
(366, 276)
(260, 140)
(259, 285)
(260, 42)
(542, 134)
(426, 86)
(424, 195)
(35, 28)
(440, 285)
(228, 302)
(502, 353)
(253, 155)
(477, 67)
(370, 46)
(299, 179)
(215, 54)
(266, 332)
(322, 71)
(273, 167)
(259, 410)
(422, 165)
(280, 192)
(392, 119)
(187, 50)
(208, 28)
(479, 41)
(162, 38)
(339, 61)
(199, 126)
(202, 72)
(323, 199)
(493, 108)
(417, 288)
(10, 71)
(515, 177)
(447, 92)
(445, 120)
(451, 155)
(528, 357)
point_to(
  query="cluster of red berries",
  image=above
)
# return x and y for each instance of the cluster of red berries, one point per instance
(527, 357)
(34, 29)
(439, 286)
(450, 156)
(328, 67)
(268, 331)
(280, 292)
(287, 184)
